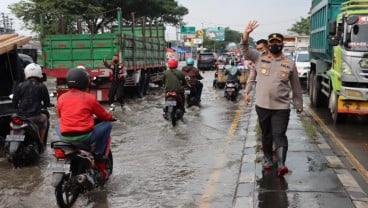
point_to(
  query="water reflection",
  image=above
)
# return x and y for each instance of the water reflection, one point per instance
(272, 190)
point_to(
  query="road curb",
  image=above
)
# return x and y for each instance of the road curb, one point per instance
(246, 184)
(353, 189)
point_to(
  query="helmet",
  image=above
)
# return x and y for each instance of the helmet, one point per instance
(190, 61)
(172, 63)
(77, 78)
(33, 70)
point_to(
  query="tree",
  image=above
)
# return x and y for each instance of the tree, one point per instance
(94, 14)
(301, 27)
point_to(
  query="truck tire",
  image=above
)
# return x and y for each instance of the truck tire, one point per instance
(315, 94)
(146, 84)
(337, 118)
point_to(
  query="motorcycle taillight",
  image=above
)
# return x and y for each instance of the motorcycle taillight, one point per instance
(59, 153)
(171, 94)
(17, 121)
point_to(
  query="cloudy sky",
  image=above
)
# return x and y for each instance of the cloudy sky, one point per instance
(273, 15)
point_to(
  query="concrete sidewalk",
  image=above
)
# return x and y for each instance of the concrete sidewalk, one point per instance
(316, 178)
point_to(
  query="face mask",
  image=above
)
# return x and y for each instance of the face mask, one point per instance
(261, 52)
(275, 49)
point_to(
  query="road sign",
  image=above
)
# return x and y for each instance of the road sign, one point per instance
(216, 33)
(187, 30)
(200, 32)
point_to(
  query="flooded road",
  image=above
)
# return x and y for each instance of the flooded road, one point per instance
(195, 164)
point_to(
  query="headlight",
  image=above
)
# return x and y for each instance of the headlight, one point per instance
(345, 69)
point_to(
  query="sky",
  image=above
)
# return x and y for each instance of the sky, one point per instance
(272, 15)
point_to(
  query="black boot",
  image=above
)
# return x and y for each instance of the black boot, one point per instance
(281, 158)
(267, 152)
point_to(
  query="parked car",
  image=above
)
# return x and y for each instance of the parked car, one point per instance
(206, 61)
(302, 64)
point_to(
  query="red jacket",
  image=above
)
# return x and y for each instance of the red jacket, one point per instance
(76, 108)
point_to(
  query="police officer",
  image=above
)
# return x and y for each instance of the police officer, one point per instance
(276, 76)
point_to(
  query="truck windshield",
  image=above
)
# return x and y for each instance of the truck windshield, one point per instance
(302, 57)
(358, 37)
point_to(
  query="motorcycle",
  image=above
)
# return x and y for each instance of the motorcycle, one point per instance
(191, 96)
(76, 171)
(172, 110)
(23, 145)
(231, 90)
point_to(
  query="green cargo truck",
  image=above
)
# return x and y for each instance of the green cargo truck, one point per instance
(338, 77)
(142, 49)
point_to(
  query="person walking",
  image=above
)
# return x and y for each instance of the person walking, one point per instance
(117, 81)
(277, 77)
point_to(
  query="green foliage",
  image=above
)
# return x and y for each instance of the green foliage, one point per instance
(94, 14)
(301, 27)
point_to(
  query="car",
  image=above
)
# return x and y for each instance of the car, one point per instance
(302, 64)
(206, 61)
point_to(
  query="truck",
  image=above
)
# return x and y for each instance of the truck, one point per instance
(141, 48)
(338, 78)
(12, 64)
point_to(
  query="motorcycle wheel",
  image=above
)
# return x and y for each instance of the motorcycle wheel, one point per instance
(66, 192)
(109, 163)
(172, 115)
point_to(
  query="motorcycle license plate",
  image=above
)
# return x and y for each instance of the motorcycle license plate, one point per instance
(171, 103)
(230, 89)
(187, 92)
(15, 138)
(59, 167)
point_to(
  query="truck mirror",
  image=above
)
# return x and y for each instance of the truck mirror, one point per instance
(332, 27)
(44, 77)
(352, 19)
(333, 41)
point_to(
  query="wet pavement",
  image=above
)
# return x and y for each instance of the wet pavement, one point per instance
(211, 159)
(316, 178)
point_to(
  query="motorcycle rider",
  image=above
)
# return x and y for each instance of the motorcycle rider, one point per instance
(174, 81)
(233, 74)
(194, 75)
(76, 109)
(30, 96)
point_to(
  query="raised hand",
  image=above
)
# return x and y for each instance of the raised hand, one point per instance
(253, 24)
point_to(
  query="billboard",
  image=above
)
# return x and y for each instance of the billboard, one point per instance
(216, 33)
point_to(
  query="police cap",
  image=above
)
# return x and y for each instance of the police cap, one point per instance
(275, 36)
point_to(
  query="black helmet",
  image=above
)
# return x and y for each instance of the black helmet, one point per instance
(77, 78)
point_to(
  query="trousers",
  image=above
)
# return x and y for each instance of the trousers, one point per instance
(273, 125)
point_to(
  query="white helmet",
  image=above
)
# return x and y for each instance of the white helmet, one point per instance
(33, 70)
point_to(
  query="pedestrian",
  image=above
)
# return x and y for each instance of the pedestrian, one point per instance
(276, 77)
(174, 81)
(31, 96)
(117, 77)
(76, 110)
(262, 46)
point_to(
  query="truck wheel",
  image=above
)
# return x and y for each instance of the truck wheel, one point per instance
(315, 94)
(337, 118)
(146, 84)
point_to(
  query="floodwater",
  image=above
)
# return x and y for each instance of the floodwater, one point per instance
(193, 164)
